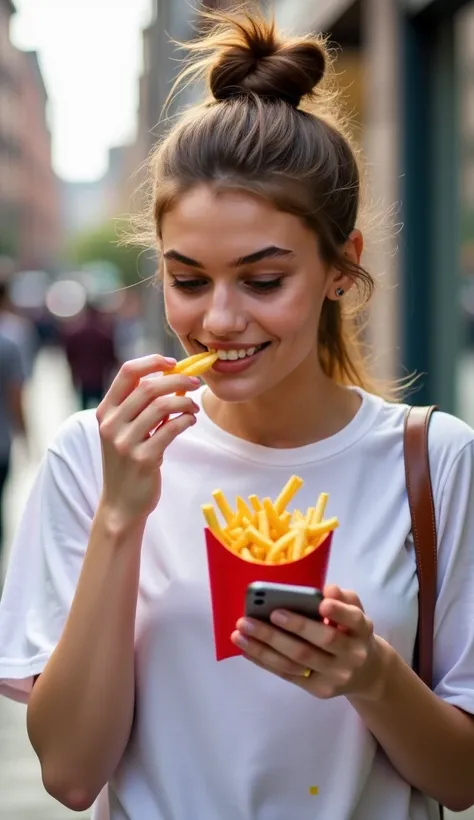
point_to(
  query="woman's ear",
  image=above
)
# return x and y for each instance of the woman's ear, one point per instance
(339, 283)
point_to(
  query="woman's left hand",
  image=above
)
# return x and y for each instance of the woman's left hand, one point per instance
(337, 656)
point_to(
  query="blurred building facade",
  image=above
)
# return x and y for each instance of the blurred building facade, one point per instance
(39, 228)
(466, 36)
(411, 62)
(29, 202)
(87, 205)
(10, 137)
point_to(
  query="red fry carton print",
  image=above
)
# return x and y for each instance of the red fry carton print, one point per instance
(262, 541)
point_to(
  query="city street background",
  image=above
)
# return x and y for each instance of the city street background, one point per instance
(77, 123)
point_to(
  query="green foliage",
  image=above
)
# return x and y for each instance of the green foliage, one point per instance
(103, 244)
(8, 243)
(467, 225)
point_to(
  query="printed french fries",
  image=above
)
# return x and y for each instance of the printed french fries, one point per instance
(263, 531)
(194, 365)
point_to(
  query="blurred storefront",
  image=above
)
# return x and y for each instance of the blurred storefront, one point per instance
(412, 55)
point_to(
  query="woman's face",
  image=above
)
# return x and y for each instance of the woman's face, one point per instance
(247, 280)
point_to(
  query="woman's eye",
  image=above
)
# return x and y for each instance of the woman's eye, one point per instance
(188, 284)
(265, 285)
(256, 285)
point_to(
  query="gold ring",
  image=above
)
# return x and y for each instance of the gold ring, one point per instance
(307, 673)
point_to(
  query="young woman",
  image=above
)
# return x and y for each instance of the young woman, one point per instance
(107, 603)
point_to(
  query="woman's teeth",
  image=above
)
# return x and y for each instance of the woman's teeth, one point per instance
(233, 355)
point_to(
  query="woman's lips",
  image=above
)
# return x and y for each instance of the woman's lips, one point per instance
(237, 365)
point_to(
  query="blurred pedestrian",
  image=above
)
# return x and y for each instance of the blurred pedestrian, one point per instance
(11, 410)
(88, 342)
(19, 330)
(129, 330)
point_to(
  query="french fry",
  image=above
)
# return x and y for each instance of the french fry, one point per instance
(241, 542)
(264, 531)
(243, 510)
(213, 523)
(200, 367)
(319, 509)
(281, 545)
(298, 544)
(323, 528)
(255, 502)
(289, 490)
(224, 506)
(181, 366)
(273, 518)
(193, 366)
(257, 538)
(263, 524)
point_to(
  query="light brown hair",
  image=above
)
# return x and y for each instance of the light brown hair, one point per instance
(272, 126)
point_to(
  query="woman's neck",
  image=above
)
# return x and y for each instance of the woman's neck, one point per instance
(297, 412)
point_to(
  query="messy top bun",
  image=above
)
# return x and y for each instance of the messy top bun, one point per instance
(252, 58)
(243, 53)
(265, 131)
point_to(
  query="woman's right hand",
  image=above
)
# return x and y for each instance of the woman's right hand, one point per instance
(135, 431)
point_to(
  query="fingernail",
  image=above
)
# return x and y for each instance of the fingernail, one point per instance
(194, 380)
(247, 626)
(240, 640)
(170, 359)
(280, 618)
(196, 407)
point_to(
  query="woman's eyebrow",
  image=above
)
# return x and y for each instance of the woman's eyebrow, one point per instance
(272, 252)
(175, 256)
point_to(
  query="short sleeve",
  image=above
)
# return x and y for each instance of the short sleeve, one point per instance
(47, 556)
(454, 621)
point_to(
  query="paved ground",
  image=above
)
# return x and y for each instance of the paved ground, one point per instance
(22, 796)
(50, 400)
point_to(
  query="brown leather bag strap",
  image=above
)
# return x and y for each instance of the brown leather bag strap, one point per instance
(420, 498)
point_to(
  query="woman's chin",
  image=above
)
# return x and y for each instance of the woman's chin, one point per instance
(234, 390)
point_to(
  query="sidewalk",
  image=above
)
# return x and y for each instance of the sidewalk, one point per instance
(50, 401)
(22, 796)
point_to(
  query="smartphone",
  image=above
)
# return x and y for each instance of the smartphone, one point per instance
(262, 598)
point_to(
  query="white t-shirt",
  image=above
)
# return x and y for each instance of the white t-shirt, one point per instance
(229, 740)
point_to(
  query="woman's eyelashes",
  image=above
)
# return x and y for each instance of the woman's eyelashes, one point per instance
(187, 284)
(256, 285)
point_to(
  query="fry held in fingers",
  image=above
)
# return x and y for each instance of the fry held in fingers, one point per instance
(263, 531)
(194, 365)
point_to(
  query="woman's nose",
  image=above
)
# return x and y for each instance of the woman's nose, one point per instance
(224, 319)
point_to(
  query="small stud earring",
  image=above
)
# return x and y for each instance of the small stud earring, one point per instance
(340, 292)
